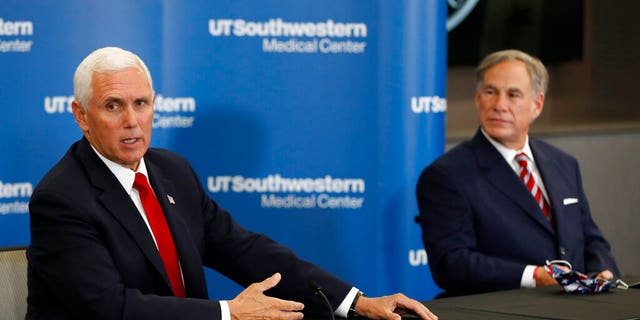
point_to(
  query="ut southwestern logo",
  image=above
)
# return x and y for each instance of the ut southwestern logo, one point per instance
(418, 257)
(428, 104)
(12, 192)
(279, 36)
(169, 112)
(15, 29)
(281, 192)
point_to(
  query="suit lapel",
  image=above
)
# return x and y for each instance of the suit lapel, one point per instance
(554, 182)
(500, 174)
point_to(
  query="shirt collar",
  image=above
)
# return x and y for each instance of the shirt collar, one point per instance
(507, 153)
(124, 175)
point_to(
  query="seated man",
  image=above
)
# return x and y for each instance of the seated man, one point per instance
(121, 231)
(494, 208)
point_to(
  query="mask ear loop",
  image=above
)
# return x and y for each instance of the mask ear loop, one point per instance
(621, 285)
(560, 262)
(550, 270)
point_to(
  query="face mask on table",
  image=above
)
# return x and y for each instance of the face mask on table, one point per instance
(574, 281)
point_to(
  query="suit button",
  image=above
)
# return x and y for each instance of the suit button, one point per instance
(563, 251)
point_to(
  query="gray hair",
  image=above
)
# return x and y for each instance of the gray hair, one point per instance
(538, 74)
(107, 59)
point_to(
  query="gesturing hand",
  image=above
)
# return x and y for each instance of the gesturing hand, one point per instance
(251, 303)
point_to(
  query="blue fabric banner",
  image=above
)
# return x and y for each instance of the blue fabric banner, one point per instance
(310, 121)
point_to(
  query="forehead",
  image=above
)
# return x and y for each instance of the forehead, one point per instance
(126, 81)
(508, 74)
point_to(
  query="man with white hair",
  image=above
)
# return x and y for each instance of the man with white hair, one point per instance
(121, 231)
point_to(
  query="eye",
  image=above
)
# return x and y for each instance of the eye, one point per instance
(112, 106)
(141, 103)
(489, 91)
(515, 94)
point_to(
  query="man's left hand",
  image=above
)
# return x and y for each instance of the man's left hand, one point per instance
(386, 307)
(606, 274)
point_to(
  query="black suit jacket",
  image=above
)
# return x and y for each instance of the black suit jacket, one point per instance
(92, 256)
(481, 226)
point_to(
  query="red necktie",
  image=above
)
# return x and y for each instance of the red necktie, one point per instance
(161, 232)
(530, 182)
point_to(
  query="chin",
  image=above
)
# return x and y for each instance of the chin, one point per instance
(499, 135)
(130, 160)
(495, 132)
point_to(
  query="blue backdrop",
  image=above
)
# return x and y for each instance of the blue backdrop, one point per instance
(309, 120)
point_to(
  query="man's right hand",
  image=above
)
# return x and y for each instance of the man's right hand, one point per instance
(251, 303)
(543, 278)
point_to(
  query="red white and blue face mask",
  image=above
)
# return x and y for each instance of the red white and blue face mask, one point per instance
(574, 281)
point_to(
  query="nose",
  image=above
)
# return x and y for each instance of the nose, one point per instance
(129, 117)
(500, 104)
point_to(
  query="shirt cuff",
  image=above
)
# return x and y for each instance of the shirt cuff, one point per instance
(225, 313)
(528, 281)
(343, 308)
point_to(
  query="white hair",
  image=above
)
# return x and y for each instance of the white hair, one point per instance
(538, 74)
(107, 59)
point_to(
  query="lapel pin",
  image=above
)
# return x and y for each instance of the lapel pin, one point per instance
(171, 201)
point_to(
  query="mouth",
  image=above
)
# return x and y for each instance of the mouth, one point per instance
(130, 140)
(498, 121)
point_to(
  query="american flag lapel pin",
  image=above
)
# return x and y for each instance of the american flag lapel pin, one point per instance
(171, 201)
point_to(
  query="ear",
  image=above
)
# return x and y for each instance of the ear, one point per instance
(538, 104)
(80, 115)
(477, 100)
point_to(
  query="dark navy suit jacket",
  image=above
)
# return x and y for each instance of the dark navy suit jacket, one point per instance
(92, 256)
(481, 226)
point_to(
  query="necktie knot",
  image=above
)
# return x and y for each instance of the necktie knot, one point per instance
(522, 160)
(141, 184)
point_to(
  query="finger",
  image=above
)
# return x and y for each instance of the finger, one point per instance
(286, 305)
(268, 283)
(427, 314)
(403, 301)
(286, 315)
(608, 275)
(273, 314)
(422, 311)
(418, 308)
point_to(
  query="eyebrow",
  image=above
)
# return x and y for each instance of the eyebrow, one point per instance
(515, 90)
(113, 99)
(510, 89)
(121, 101)
(488, 86)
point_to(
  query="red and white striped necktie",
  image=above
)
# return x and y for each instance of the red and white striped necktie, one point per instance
(530, 182)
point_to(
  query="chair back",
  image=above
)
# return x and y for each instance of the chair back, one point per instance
(13, 283)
